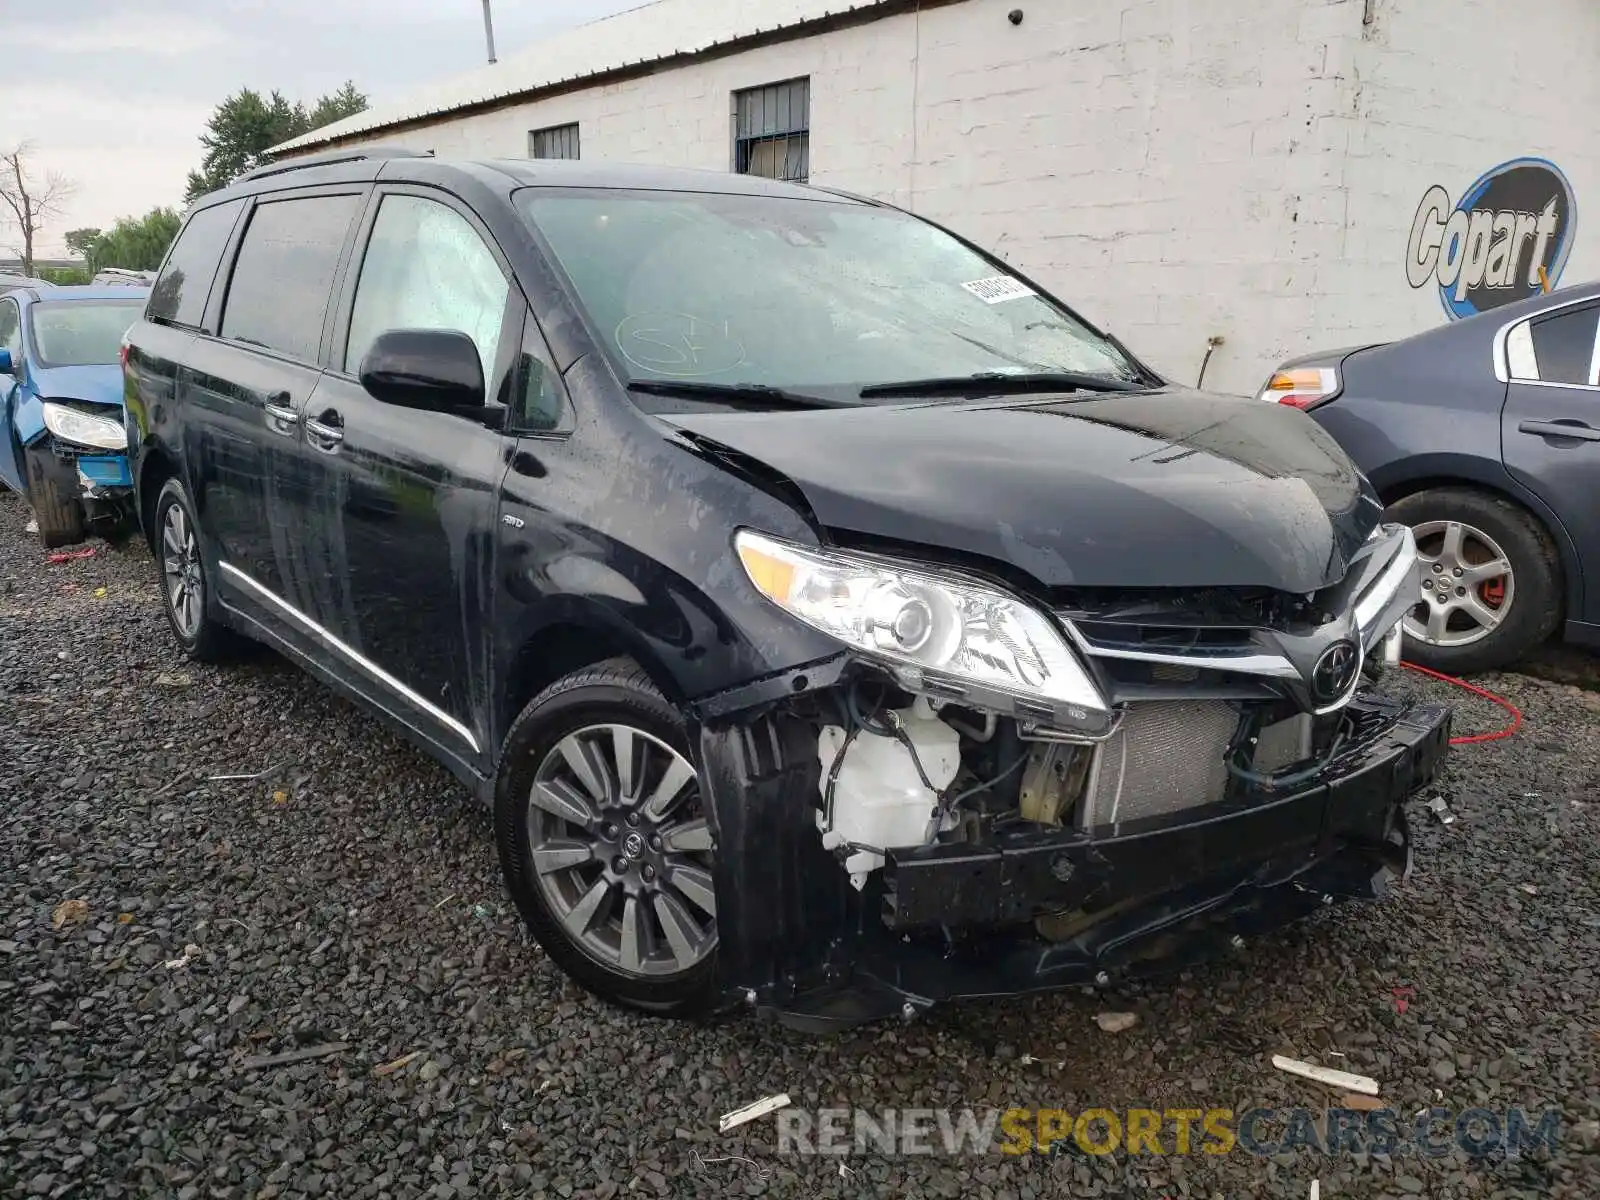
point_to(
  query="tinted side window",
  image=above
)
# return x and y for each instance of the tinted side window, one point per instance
(1564, 346)
(284, 273)
(179, 295)
(427, 268)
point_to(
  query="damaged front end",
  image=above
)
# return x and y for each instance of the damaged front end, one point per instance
(81, 449)
(896, 827)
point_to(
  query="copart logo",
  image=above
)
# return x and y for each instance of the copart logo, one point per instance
(1487, 250)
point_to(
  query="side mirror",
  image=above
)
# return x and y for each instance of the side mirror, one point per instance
(5, 362)
(433, 369)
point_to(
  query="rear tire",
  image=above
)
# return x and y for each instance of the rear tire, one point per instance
(186, 590)
(1524, 601)
(595, 854)
(58, 512)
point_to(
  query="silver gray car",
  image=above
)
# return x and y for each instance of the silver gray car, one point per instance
(1483, 436)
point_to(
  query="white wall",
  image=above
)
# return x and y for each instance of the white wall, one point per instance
(1445, 92)
(1175, 169)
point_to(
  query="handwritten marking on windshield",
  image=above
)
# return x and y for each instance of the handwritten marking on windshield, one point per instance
(679, 344)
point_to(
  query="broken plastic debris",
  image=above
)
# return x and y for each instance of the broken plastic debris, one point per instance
(1440, 809)
(1403, 996)
(177, 680)
(751, 1112)
(100, 593)
(1342, 1080)
(1530, 889)
(389, 1068)
(481, 911)
(1116, 1022)
(69, 912)
(66, 556)
(31, 527)
(190, 953)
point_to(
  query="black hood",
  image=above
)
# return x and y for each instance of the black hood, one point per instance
(1169, 488)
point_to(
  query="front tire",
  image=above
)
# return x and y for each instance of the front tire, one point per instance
(1492, 580)
(604, 841)
(185, 586)
(57, 510)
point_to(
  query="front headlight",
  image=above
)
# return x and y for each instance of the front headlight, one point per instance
(80, 428)
(1392, 594)
(927, 625)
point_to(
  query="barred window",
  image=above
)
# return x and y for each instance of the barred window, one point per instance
(558, 141)
(772, 130)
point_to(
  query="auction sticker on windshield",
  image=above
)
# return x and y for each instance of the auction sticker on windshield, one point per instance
(998, 289)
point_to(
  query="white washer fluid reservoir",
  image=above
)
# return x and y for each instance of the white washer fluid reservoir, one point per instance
(879, 798)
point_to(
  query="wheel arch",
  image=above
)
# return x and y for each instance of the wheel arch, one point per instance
(1492, 479)
(156, 466)
(566, 644)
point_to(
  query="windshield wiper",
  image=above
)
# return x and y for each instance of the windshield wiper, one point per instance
(729, 393)
(995, 383)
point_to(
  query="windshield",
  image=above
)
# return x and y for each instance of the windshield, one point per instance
(799, 294)
(81, 333)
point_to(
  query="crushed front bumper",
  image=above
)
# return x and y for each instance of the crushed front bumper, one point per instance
(102, 475)
(958, 921)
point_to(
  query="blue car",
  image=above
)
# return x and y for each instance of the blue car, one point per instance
(63, 444)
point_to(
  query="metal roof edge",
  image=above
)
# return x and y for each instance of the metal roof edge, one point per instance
(846, 16)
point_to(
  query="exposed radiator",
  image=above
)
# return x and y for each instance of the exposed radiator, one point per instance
(1164, 757)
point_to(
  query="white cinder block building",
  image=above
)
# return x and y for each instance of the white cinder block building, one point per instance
(1280, 174)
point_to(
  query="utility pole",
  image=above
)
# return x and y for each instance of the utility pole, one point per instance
(488, 31)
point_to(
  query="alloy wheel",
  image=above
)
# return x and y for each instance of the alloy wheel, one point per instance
(1467, 585)
(621, 850)
(180, 565)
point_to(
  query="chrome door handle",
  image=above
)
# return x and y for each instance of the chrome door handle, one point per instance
(280, 417)
(324, 436)
(1562, 427)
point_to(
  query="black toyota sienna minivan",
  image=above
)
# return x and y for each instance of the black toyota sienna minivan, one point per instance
(836, 622)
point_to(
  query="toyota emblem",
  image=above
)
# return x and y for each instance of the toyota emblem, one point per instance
(1335, 671)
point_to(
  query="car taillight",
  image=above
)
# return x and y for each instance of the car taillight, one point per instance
(1302, 387)
(122, 353)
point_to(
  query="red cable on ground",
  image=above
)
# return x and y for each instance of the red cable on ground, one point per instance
(1516, 715)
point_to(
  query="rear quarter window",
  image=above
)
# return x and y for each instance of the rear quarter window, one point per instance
(180, 292)
(1565, 346)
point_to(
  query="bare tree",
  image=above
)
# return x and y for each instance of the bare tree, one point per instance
(31, 203)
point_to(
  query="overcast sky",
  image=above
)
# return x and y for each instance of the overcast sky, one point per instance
(114, 94)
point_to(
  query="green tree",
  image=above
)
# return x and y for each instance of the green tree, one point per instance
(346, 102)
(135, 243)
(79, 241)
(247, 124)
(64, 276)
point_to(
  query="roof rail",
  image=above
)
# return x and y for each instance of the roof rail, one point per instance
(330, 157)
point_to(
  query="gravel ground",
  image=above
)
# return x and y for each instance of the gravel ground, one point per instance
(351, 899)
